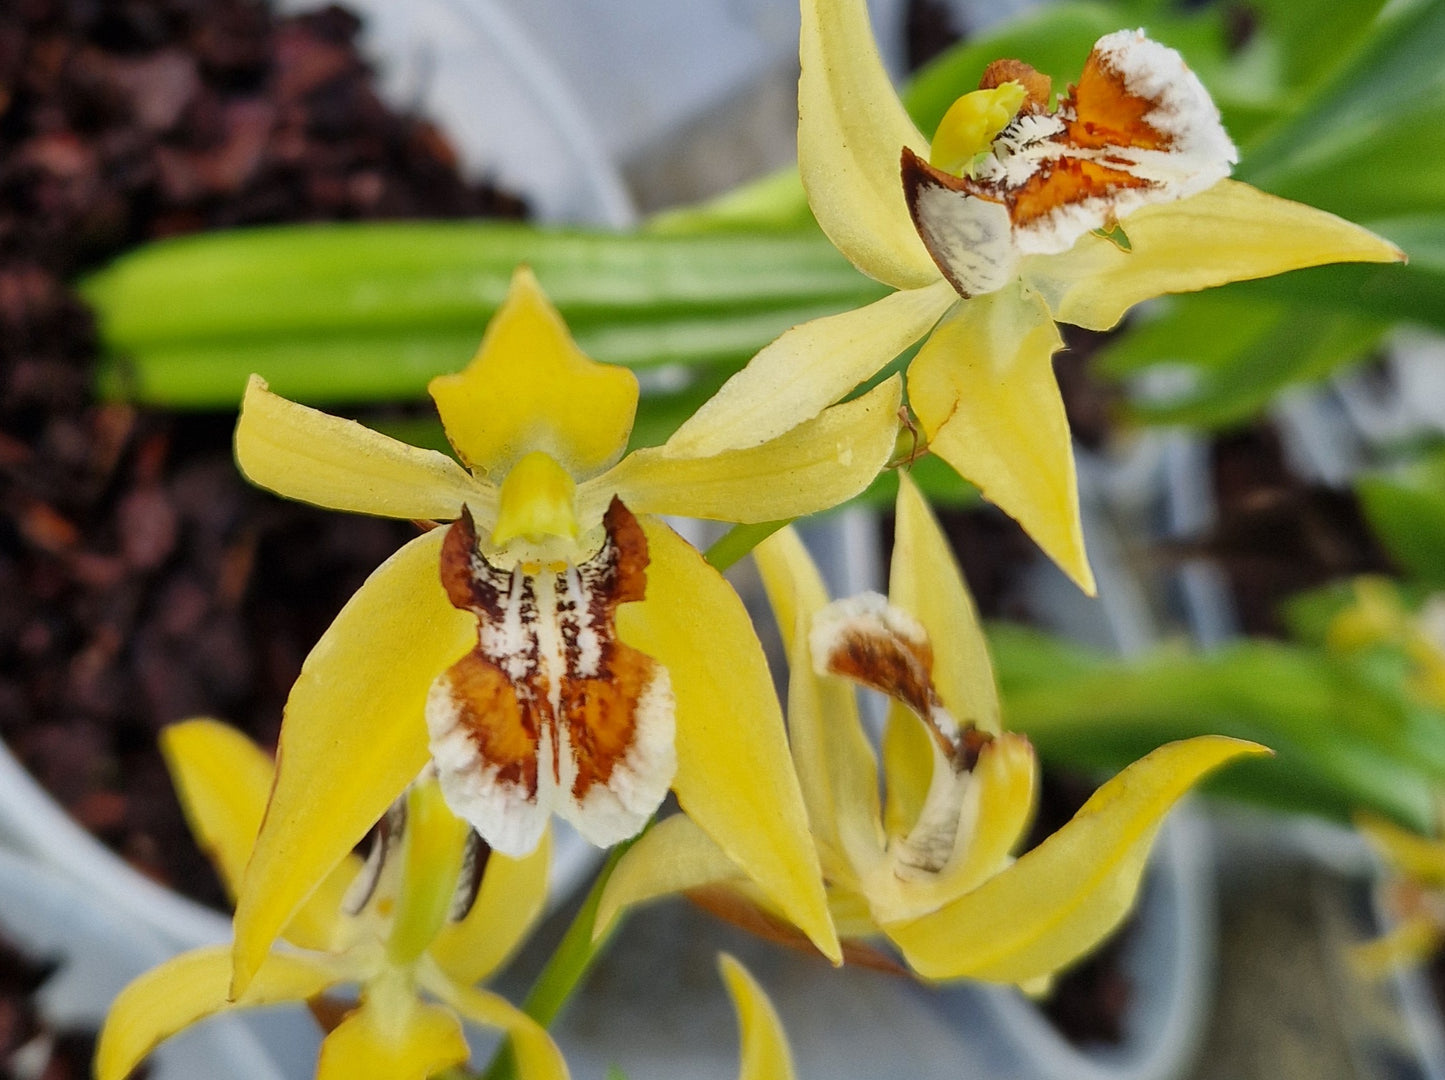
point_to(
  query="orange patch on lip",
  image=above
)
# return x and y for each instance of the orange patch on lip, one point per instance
(1106, 113)
(1067, 180)
(552, 708)
(503, 725)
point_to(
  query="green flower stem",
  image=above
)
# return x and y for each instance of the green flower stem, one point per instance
(738, 541)
(568, 966)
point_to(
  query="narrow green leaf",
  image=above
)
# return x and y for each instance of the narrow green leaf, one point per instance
(1406, 510)
(365, 278)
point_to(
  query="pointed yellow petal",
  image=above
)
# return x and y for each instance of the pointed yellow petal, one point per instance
(536, 1055)
(671, 857)
(851, 133)
(815, 466)
(1409, 854)
(983, 387)
(305, 454)
(191, 987)
(223, 780)
(1061, 898)
(353, 737)
(531, 388)
(1231, 232)
(807, 369)
(734, 775)
(925, 581)
(835, 764)
(512, 898)
(907, 753)
(402, 1039)
(765, 1053)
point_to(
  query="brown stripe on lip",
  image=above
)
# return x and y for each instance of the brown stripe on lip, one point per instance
(548, 679)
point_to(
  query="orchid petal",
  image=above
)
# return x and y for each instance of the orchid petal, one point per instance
(531, 388)
(535, 1054)
(836, 768)
(809, 367)
(925, 581)
(673, 856)
(223, 780)
(851, 133)
(353, 736)
(305, 454)
(764, 1045)
(907, 752)
(1409, 854)
(398, 1039)
(191, 987)
(983, 387)
(815, 466)
(1059, 900)
(512, 897)
(1231, 232)
(734, 775)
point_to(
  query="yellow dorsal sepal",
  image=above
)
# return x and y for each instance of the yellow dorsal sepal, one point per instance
(971, 124)
(537, 500)
(531, 388)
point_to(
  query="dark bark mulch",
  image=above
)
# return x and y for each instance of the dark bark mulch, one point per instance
(144, 582)
(1278, 535)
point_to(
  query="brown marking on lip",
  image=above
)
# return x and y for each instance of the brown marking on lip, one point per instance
(890, 664)
(884, 659)
(1062, 181)
(503, 700)
(600, 711)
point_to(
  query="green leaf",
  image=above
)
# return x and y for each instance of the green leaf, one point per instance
(1307, 39)
(1343, 737)
(377, 277)
(1362, 144)
(1240, 354)
(1406, 510)
(335, 366)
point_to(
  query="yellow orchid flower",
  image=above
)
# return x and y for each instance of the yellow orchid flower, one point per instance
(397, 928)
(998, 230)
(553, 633)
(932, 868)
(1416, 898)
(1379, 615)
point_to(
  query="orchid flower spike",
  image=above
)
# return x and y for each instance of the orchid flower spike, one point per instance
(570, 653)
(1017, 216)
(932, 869)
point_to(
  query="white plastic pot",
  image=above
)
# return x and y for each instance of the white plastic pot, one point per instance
(98, 948)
